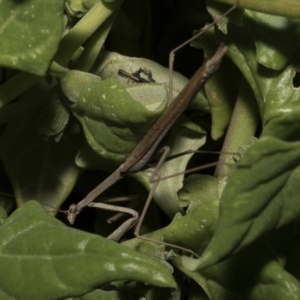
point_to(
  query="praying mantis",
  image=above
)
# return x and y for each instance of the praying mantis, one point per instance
(145, 149)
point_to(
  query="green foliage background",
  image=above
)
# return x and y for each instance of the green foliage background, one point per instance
(67, 120)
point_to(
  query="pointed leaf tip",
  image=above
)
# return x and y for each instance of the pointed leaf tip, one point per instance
(46, 258)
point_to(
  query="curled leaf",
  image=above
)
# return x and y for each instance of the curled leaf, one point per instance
(112, 121)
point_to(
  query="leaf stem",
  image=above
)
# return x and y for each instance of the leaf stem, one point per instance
(94, 45)
(80, 33)
(242, 127)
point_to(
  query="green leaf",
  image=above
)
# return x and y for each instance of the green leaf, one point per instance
(252, 274)
(276, 283)
(89, 159)
(30, 34)
(274, 48)
(109, 63)
(112, 121)
(232, 278)
(213, 289)
(256, 199)
(52, 261)
(38, 169)
(276, 96)
(194, 230)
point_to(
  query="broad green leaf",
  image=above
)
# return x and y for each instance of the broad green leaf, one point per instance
(259, 198)
(30, 34)
(88, 159)
(277, 98)
(276, 283)
(38, 169)
(285, 126)
(112, 121)
(274, 47)
(255, 273)
(52, 261)
(127, 139)
(252, 274)
(232, 278)
(212, 288)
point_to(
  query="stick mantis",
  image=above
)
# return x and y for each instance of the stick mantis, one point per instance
(145, 149)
